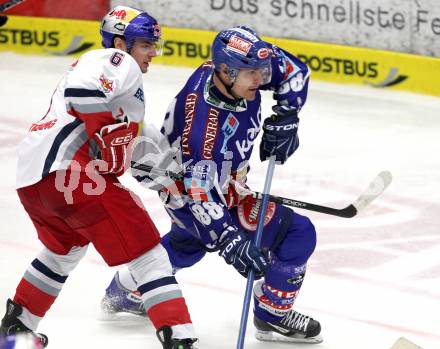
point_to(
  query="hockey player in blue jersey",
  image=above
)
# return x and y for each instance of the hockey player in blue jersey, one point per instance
(214, 121)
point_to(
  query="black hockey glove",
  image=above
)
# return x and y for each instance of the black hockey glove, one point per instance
(241, 252)
(280, 136)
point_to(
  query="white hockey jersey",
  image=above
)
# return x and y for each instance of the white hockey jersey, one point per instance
(103, 86)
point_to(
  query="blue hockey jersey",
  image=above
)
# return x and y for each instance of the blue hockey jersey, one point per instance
(216, 136)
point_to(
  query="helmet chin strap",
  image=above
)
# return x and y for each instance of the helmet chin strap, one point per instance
(227, 87)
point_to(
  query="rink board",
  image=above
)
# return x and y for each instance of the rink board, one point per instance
(190, 47)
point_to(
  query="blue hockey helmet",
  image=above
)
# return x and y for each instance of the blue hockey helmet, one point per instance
(240, 47)
(131, 24)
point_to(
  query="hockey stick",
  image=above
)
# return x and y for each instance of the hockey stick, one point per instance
(9, 4)
(257, 241)
(6, 6)
(374, 189)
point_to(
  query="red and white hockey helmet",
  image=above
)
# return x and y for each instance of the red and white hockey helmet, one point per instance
(131, 24)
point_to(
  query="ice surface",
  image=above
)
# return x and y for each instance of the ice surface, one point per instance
(372, 279)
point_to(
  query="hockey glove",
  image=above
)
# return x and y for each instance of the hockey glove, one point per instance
(280, 136)
(237, 190)
(113, 141)
(237, 194)
(241, 252)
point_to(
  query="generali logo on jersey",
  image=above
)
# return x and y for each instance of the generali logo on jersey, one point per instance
(239, 45)
(190, 107)
(210, 133)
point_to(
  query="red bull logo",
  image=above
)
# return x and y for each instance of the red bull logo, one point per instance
(119, 14)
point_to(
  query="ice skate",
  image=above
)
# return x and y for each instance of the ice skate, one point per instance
(165, 337)
(119, 303)
(11, 324)
(293, 327)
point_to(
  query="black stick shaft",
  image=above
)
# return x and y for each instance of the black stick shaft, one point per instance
(347, 212)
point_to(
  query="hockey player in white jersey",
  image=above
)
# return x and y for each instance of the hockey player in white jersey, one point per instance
(67, 181)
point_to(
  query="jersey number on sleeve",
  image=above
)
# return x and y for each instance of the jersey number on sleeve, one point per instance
(116, 58)
(206, 212)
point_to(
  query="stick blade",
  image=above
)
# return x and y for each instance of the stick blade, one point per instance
(376, 188)
(403, 343)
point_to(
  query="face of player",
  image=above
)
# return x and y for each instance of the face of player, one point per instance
(143, 52)
(248, 81)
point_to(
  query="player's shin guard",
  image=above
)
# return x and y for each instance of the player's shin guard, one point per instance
(42, 282)
(275, 320)
(161, 294)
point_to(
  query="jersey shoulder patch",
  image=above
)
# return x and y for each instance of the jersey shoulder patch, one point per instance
(117, 58)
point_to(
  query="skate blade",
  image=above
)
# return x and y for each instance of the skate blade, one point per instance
(269, 336)
(122, 317)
